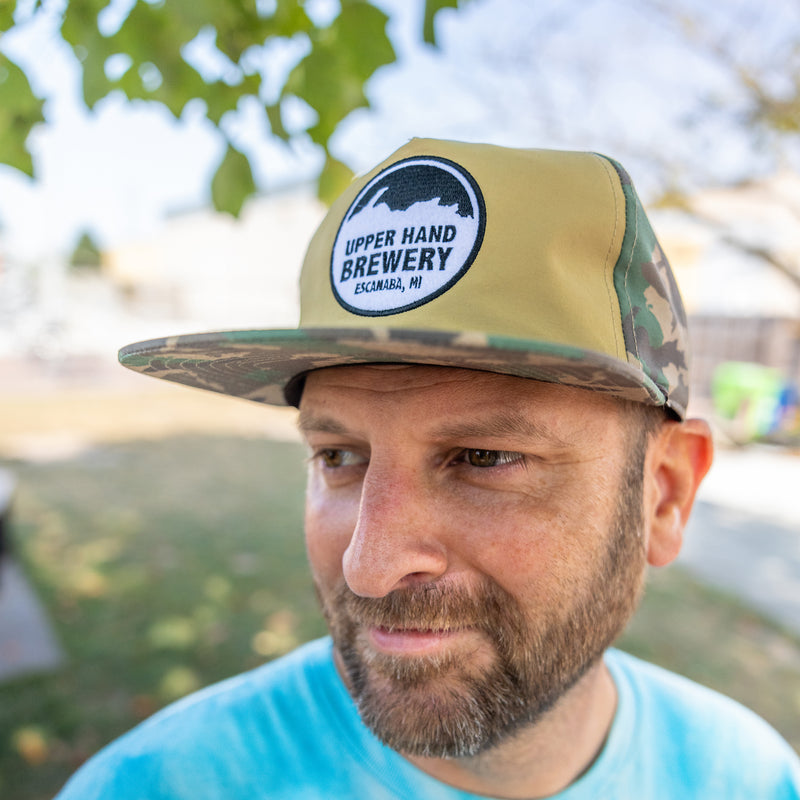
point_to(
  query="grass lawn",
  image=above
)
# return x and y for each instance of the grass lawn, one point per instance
(167, 565)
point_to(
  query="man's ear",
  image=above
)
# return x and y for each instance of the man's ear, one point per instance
(677, 461)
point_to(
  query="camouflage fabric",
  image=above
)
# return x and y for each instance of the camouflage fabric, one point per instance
(653, 318)
(264, 366)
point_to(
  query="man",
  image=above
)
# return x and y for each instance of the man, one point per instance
(491, 372)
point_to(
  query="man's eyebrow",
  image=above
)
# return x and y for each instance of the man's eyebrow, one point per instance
(308, 421)
(503, 424)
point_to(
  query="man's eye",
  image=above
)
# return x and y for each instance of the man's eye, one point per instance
(490, 458)
(333, 457)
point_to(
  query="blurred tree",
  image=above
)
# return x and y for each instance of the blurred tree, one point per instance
(763, 63)
(216, 51)
(86, 254)
(762, 60)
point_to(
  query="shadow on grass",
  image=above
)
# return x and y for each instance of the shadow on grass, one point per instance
(172, 564)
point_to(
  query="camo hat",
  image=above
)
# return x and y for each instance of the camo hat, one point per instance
(535, 263)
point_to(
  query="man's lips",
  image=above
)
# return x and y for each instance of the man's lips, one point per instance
(412, 641)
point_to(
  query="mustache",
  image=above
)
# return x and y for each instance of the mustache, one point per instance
(428, 607)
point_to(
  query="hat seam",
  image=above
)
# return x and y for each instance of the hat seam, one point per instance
(627, 294)
(611, 294)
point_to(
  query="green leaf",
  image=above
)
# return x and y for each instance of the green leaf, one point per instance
(155, 35)
(233, 182)
(333, 180)
(289, 19)
(432, 7)
(276, 121)
(237, 32)
(221, 98)
(7, 14)
(79, 29)
(20, 110)
(343, 57)
(236, 23)
(360, 32)
(80, 21)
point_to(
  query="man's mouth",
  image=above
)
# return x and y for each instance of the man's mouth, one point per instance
(413, 641)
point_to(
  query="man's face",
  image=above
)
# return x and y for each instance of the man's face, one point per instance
(476, 543)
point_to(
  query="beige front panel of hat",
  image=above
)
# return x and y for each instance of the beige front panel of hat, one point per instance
(554, 228)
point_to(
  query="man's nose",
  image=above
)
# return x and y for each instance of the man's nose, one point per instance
(396, 541)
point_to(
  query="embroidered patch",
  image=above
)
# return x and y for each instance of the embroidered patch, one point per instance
(411, 233)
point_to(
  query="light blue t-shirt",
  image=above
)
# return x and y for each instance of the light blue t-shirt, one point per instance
(290, 730)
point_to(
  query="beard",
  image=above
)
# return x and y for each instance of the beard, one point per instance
(450, 706)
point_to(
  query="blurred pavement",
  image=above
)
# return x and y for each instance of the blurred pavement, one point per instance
(27, 642)
(744, 533)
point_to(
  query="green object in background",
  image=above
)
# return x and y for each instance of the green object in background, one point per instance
(753, 395)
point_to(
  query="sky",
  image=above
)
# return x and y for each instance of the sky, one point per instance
(615, 76)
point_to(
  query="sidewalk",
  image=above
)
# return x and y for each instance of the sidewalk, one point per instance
(744, 534)
(27, 642)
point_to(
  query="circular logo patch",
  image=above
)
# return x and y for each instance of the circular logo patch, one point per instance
(411, 233)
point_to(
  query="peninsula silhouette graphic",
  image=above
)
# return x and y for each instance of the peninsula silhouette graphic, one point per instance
(417, 183)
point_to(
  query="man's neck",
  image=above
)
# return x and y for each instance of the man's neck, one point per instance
(545, 758)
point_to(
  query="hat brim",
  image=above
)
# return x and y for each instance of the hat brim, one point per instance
(267, 366)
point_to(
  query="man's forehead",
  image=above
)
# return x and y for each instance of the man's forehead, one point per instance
(395, 377)
(462, 400)
(400, 374)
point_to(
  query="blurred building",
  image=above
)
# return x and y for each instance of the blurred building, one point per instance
(213, 271)
(200, 270)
